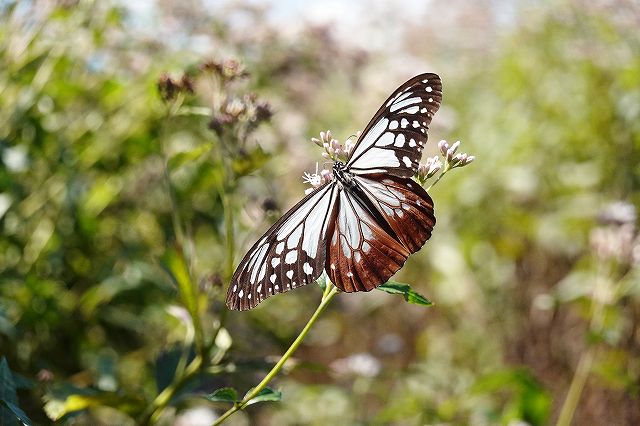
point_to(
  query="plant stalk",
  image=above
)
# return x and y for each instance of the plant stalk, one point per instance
(329, 292)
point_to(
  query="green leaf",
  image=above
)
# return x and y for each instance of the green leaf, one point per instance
(7, 393)
(266, 394)
(66, 399)
(223, 395)
(249, 163)
(22, 382)
(175, 264)
(393, 287)
(17, 411)
(165, 367)
(193, 110)
(184, 157)
(322, 280)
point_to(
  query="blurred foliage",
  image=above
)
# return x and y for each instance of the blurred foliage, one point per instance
(136, 170)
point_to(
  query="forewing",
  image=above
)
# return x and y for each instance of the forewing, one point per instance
(289, 255)
(393, 140)
(405, 206)
(361, 255)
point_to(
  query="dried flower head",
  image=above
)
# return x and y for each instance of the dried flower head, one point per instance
(263, 111)
(167, 87)
(170, 88)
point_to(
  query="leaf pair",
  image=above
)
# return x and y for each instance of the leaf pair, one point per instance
(231, 395)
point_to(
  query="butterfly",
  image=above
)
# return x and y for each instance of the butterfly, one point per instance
(361, 226)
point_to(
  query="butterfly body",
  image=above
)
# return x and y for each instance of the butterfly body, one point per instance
(361, 226)
(342, 175)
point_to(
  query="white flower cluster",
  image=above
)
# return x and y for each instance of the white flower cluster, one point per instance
(451, 160)
(334, 150)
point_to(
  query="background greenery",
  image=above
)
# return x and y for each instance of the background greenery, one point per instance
(123, 214)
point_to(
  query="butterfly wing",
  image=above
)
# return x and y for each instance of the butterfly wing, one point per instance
(404, 205)
(393, 140)
(361, 254)
(385, 216)
(289, 255)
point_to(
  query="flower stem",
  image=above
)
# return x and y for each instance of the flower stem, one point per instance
(585, 362)
(329, 292)
(447, 167)
(163, 399)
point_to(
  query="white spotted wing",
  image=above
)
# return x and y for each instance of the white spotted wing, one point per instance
(393, 140)
(289, 255)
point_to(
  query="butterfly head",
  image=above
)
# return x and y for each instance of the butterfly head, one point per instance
(342, 174)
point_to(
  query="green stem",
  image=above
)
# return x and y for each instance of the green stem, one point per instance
(163, 399)
(329, 292)
(575, 389)
(447, 167)
(586, 359)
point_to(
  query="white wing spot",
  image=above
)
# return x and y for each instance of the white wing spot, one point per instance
(291, 257)
(346, 249)
(240, 294)
(410, 110)
(235, 287)
(404, 123)
(366, 247)
(407, 161)
(425, 81)
(333, 266)
(263, 271)
(393, 125)
(416, 124)
(366, 232)
(423, 110)
(292, 241)
(349, 274)
(430, 100)
(386, 139)
(397, 193)
(400, 213)
(429, 89)
(259, 289)
(412, 143)
(357, 256)
(272, 278)
(279, 248)
(249, 296)
(289, 274)
(307, 268)
(275, 261)
(399, 140)
(276, 287)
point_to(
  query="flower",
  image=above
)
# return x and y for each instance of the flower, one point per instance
(429, 168)
(333, 149)
(316, 179)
